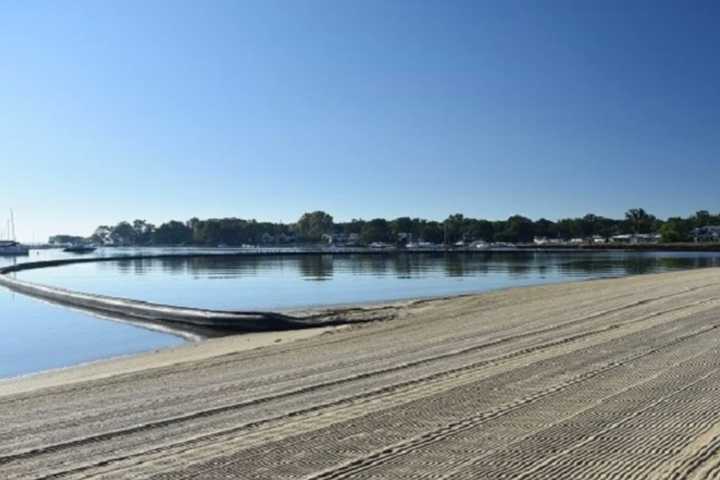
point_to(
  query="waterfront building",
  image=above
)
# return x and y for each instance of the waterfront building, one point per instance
(348, 239)
(636, 238)
(708, 233)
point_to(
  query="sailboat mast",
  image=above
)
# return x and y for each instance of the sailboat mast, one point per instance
(12, 224)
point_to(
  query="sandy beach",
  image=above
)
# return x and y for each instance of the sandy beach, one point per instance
(612, 379)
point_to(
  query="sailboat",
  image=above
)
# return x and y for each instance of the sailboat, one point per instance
(11, 246)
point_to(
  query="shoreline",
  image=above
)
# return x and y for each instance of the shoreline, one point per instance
(439, 248)
(257, 340)
(152, 359)
(336, 316)
(262, 339)
(193, 324)
(245, 340)
(194, 336)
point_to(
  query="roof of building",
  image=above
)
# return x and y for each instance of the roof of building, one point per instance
(707, 229)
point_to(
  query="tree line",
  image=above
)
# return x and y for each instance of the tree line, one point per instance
(316, 226)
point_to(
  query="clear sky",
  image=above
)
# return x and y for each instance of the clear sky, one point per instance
(172, 109)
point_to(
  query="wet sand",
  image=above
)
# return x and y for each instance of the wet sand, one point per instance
(612, 379)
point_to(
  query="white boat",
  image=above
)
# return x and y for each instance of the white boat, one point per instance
(80, 249)
(12, 247)
(9, 247)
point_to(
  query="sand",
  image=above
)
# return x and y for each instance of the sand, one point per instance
(612, 379)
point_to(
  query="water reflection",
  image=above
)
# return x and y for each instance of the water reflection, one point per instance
(408, 266)
(302, 280)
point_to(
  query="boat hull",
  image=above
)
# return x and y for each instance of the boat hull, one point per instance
(79, 249)
(14, 251)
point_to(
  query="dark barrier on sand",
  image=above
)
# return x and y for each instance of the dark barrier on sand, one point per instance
(180, 318)
(224, 322)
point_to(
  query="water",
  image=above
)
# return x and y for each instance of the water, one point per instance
(37, 336)
(281, 282)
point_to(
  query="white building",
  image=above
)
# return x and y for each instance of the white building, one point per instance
(636, 238)
(341, 238)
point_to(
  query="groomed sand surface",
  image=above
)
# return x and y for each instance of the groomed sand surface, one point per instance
(611, 379)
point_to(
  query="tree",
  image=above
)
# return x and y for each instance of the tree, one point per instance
(639, 221)
(588, 225)
(607, 227)
(313, 225)
(455, 227)
(545, 228)
(66, 240)
(402, 225)
(173, 233)
(675, 229)
(101, 236)
(123, 234)
(518, 229)
(480, 230)
(431, 232)
(143, 232)
(376, 230)
(353, 226)
(702, 218)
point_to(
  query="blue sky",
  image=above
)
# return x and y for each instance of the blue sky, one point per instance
(172, 109)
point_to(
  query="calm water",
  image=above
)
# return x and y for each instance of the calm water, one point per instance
(294, 281)
(36, 336)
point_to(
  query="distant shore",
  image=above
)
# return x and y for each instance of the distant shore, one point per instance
(640, 247)
(330, 249)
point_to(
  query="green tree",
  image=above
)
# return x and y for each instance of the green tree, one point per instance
(173, 233)
(431, 232)
(353, 226)
(454, 226)
(102, 235)
(123, 234)
(481, 230)
(313, 225)
(676, 229)
(518, 229)
(143, 232)
(402, 225)
(66, 240)
(639, 221)
(588, 225)
(702, 218)
(376, 230)
(545, 228)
